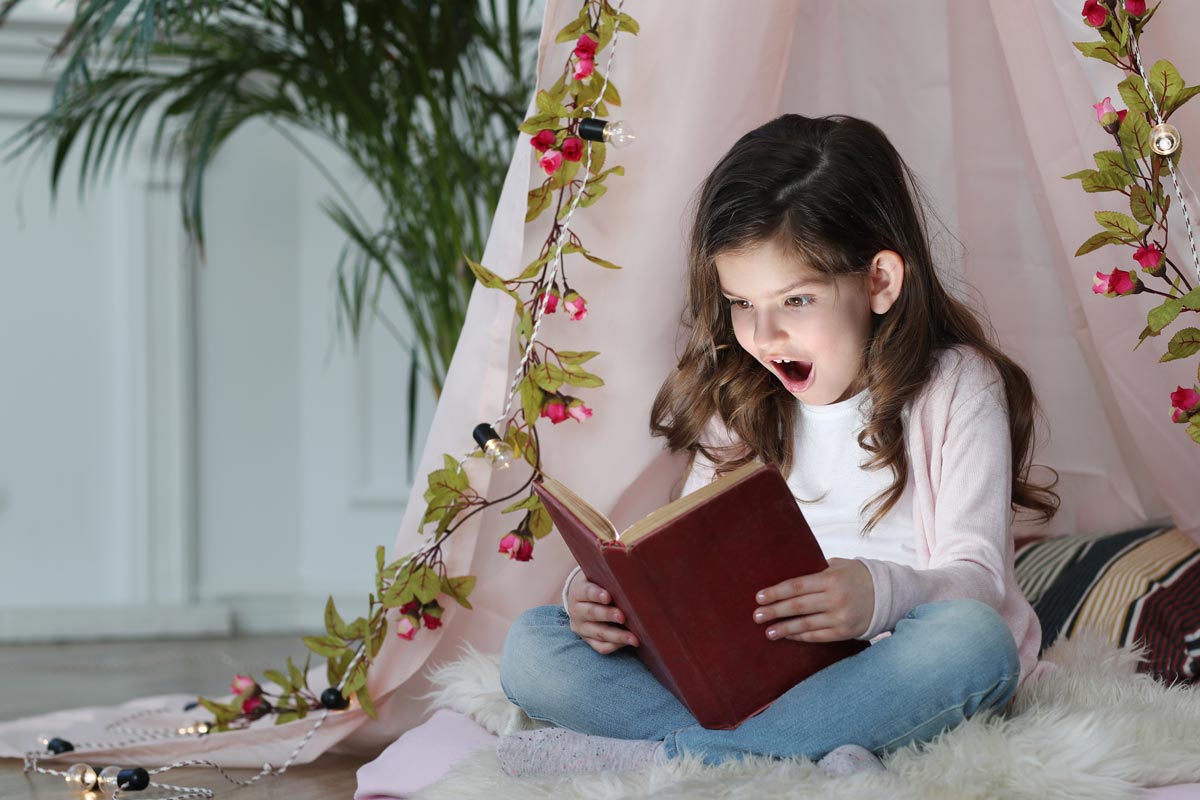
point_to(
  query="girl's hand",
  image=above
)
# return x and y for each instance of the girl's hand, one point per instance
(827, 606)
(593, 618)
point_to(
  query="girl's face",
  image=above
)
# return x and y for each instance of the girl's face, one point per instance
(782, 309)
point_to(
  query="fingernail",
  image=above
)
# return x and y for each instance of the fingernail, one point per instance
(771, 634)
(758, 616)
(761, 597)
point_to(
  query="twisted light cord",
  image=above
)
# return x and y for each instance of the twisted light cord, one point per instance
(1187, 219)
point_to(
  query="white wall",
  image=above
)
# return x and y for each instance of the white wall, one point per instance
(184, 448)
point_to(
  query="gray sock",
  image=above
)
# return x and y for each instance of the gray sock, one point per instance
(556, 751)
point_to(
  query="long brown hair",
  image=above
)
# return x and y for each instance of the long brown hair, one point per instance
(835, 192)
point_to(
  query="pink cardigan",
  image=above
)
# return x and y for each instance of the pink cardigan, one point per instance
(960, 455)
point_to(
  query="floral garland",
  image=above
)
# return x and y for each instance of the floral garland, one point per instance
(1136, 170)
(415, 583)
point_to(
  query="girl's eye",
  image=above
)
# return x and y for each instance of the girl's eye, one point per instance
(798, 304)
(734, 303)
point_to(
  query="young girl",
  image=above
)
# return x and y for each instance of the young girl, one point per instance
(823, 342)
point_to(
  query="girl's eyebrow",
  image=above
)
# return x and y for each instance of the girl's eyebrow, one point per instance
(798, 284)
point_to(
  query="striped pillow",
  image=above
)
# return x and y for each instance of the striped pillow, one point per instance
(1132, 586)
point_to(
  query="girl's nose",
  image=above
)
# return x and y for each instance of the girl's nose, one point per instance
(767, 330)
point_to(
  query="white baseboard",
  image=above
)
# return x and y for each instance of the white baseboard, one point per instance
(90, 623)
(230, 616)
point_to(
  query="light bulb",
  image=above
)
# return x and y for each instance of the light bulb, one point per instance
(82, 777)
(1164, 138)
(619, 134)
(108, 780)
(498, 452)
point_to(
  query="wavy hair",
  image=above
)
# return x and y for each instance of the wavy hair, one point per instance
(835, 192)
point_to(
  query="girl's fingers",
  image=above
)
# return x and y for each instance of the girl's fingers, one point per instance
(606, 633)
(792, 607)
(793, 626)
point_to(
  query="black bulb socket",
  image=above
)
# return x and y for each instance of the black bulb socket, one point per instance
(332, 699)
(59, 746)
(592, 128)
(133, 779)
(484, 433)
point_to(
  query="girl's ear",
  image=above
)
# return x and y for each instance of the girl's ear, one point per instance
(885, 279)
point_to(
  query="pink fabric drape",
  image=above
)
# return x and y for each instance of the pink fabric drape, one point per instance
(989, 103)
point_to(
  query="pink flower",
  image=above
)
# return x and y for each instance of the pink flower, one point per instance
(575, 305)
(1094, 13)
(584, 68)
(405, 628)
(1149, 257)
(517, 547)
(1183, 403)
(544, 140)
(410, 607)
(551, 300)
(252, 704)
(1135, 7)
(579, 411)
(1105, 106)
(586, 46)
(241, 683)
(572, 149)
(432, 622)
(1118, 283)
(550, 161)
(556, 411)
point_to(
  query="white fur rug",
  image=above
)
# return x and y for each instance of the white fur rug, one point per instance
(1096, 729)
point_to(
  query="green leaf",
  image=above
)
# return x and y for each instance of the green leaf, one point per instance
(1141, 204)
(532, 398)
(1099, 50)
(594, 192)
(334, 623)
(565, 174)
(279, 679)
(540, 122)
(1109, 180)
(600, 261)
(1193, 430)
(1191, 299)
(1165, 83)
(1099, 240)
(580, 377)
(425, 584)
(1145, 334)
(1133, 92)
(572, 32)
(1106, 160)
(356, 680)
(1121, 224)
(324, 646)
(1183, 344)
(540, 523)
(548, 376)
(576, 358)
(1162, 316)
(1134, 135)
(531, 501)
(364, 700)
(539, 200)
(1187, 94)
(611, 96)
(547, 105)
(299, 677)
(459, 588)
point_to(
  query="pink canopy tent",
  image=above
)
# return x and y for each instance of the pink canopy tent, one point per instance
(990, 104)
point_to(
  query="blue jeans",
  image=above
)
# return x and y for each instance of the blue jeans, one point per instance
(943, 663)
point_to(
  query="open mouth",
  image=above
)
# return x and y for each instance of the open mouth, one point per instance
(797, 375)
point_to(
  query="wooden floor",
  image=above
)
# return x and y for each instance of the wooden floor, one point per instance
(36, 679)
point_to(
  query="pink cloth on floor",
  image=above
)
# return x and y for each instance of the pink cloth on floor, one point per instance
(421, 756)
(1180, 791)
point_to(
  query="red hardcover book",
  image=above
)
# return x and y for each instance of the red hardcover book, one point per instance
(685, 577)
